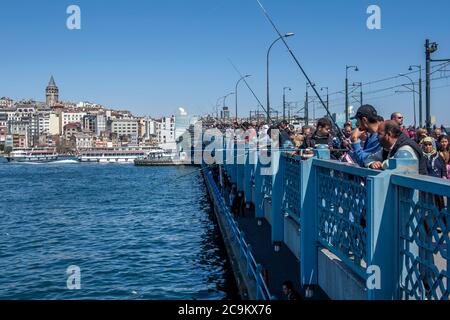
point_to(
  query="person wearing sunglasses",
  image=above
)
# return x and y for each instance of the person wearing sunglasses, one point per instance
(399, 119)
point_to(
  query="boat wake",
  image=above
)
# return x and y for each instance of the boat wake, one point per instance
(63, 161)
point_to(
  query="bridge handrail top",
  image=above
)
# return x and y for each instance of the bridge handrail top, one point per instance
(422, 183)
(346, 168)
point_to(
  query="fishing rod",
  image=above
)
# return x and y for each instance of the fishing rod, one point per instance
(301, 68)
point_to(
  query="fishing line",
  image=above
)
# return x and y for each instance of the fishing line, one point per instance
(301, 68)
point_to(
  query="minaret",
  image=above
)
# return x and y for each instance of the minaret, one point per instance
(52, 93)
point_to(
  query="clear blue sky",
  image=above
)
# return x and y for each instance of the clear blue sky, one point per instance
(154, 56)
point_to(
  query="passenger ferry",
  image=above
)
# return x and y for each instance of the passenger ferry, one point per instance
(36, 156)
(111, 156)
(158, 157)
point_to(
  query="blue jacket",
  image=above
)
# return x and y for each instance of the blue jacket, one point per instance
(362, 151)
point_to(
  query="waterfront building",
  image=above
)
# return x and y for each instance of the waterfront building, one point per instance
(24, 109)
(89, 123)
(3, 120)
(6, 102)
(68, 105)
(6, 115)
(125, 127)
(72, 116)
(83, 140)
(150, 128)
(52, 93)
(20, 141)
(43, 121)
(166, 133)
(22, 128)
(3, 134)
(100, 124)
(88, 106)
(123, 114)
(71, 129)
(36, 121)
(54, 126)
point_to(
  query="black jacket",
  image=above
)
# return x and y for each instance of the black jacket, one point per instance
(402, 141)
(315, 139)
(436, 166)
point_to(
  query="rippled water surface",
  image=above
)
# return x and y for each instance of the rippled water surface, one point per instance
(135, 233)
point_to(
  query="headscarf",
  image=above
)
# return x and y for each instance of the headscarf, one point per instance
(429, 140)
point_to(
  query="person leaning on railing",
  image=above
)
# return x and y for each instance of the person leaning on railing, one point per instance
(322, 135)
(394, 142)
(367, 126)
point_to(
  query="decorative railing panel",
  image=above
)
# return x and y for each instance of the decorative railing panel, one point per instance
(424, 220)
(342, 215)
(292, 197)
(267, 185)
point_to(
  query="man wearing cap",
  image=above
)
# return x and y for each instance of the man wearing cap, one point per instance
(394, 142)
(368, 121)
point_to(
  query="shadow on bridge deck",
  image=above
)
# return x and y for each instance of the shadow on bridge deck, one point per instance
(281, 265)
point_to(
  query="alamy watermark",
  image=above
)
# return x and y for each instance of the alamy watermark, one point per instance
(74, 20)
(73, 278)
(374, 20)
(373, 281)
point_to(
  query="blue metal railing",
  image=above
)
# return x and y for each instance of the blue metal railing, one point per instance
(254, 270)
(424, 220)
(343, 211)
(291, 185)
(393, 219)
(267, 186)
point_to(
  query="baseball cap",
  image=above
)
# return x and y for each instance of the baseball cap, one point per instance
(367, 111)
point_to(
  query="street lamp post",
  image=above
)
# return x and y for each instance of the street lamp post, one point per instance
(414, 96)
(236, 93)
(429, 49)
(420, 93)
(346, 89)
(307, 103)
(284, 101)
(225, 98)
(290, 34)
(289, 111)
(217, 106)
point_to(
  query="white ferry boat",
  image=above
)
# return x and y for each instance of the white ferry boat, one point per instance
(36, 156)
(111, 156)
(159, 157)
